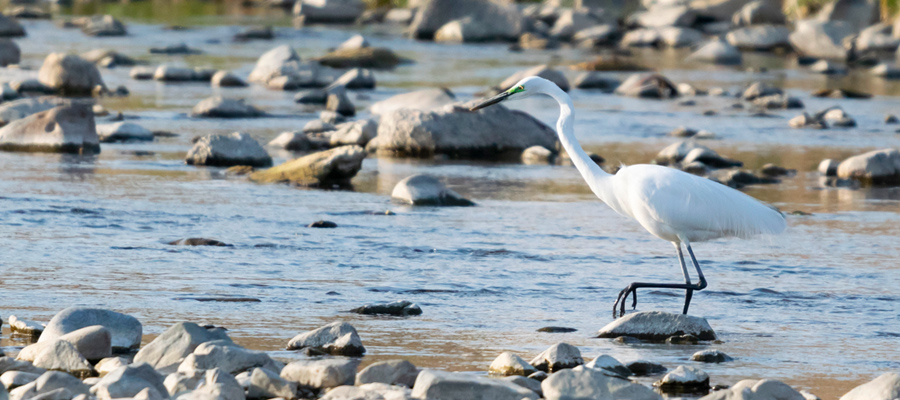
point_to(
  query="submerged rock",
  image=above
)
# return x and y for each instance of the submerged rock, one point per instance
(400, 308)
(336, 166)
(228, 150)
(321, 374)
(711, 356)
(589, 383)
(198, 242)
(432, 384)
(339, 338)
(657, 326)
(123, 132)
(103, 25)
(510, 364)
(171, 347)
(425, 190)
(393, 372)
(684, 380)
(878, 167)
(557, 357)
(64, 129)
(322, 224)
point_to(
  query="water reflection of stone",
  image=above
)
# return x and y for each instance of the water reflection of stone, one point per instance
(77, 167)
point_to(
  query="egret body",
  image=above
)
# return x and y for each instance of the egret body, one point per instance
(670, 204)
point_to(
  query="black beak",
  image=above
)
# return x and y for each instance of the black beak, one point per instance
(493, 100)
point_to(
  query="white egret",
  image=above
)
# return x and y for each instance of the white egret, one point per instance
(670, 204)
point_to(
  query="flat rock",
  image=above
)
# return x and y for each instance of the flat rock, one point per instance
(198, 242)
(330, 167)
(66, 129)
(25, 326)
(220, 107)
(877, 167)
(588, 383)
(393, 372)
(228, 150)
(338, 338)
(433, 384)
(657, 326)
(321, 374)
(684, 380)
(510, 364)
(123, 132)
(425, 100)
(557, 357)
(170, 348)
(399, 308)
(69, 74)
(759, 37)
(425, 190)
(175, 49)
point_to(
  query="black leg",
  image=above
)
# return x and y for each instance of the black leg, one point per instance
(619, 305)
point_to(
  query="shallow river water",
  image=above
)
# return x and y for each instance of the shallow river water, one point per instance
(816, 307)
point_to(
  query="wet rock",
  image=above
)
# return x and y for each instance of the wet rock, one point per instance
(175, 49)
(169, 349)
(778, 101)
(338, 338)
(657, 326)
(609, 364)
(103, 25)
(827, 67)
(227, 79)
(759, 37)
(329, 11)
(357, 78)
(684, 380)
(66, 129)
(322, 224)
(228, 357)
(510, 364)
(758, 12)
(425, 100)
(760, 89)
(818, 39)
(543, 71)
(265, 384)
(354, 133)
(142, 73)
(400, 308)
(10, 27)
(424, 190)
(355, 42)
(24, 326)
(69, 74)
(128, 381)
(841, 94)
(255, 33)
(891, 119)
(198, 242)
(335, 166)
(709, 157)
(828, 167)
(589, 383)
(13, 379)
(125, 330)
(735, 179)
(837, 117)
(595, 80)
(647, 86)
(272, 63)
(684, 339)
(717, 52)
(538, 155)
(367, 57)
(772, 170)
(458, 132)
(499, 21)
(878, 167)
(338, 102)
(228, 150)
(9, 52)
(711, 356)
(57, 355)
(885, 386)
(394, 372)
(220, 107)
(762, 389)
(661, 16)
(432, 384)
(312, 96)
(807, 121)
(123, 132)
(321, 374)
(557, 357)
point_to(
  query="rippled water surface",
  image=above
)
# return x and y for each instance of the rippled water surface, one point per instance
(816, 307)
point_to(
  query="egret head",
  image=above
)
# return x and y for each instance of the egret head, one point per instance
(525, 88)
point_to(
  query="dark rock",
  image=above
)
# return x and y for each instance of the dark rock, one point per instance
(400, 308)
(198, 242)
(684, 380)
(556, 329)
(645, 368)
(255, 33)
(711, 356)
(499, 21)
(368, 57)
(220, 107)
(175, 49)
(647, 86)
(322, 224)
(682, 339)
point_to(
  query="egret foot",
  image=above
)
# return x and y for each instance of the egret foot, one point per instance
(619, 305)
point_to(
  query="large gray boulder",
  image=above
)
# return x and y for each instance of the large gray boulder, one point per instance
(339, 338)
(425, 99)
(123, 132)
(321, 374)
(228, 150)
(9, 52)
(127, 381)
(717, 52)
(658, 326)
(759, 37)
(818, 39)
(93, 342)
(884, 387)
(69, 74)
(331, 167)
(227, 356)
(392, 372)
(442, 385)
(170, 348)
(499, 21)
(587, 383)
(458, 132)
(329, 11)
(425, 190)
(543, 71)
(125, 330)
(220, 107)
(877, 167)
(66, 129)
(9, 27)
(557, 357)
(856, 14)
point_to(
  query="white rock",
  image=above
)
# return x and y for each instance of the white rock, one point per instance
(168, 350)
(510, 364)
(425, 190)
(717, 52)
(355, 42)
(123, 132)
(588, 383)
(266, 384)
(321, 374)
(109, 364)
(557, 357)
(393, 372)
(875, 167)
(432, 384)
(13, 379)
(610, 364)
(683, 378)
(57, 355)
(25, 326)
(655, 325)
(335, 338)
(228, 150)
(828, 167)
(228, 357)
(128, 381)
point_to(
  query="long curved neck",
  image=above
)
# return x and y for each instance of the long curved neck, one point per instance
(596, 177)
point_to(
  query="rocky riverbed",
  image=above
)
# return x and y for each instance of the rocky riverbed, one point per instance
(814, 308)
